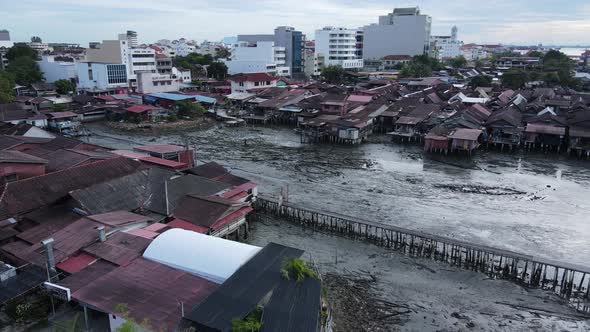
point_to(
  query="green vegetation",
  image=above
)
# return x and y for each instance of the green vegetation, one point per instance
(420, 66)
(458, 62)
(73, 325)
(64, 87)
(251, 323)
(33, 308)
(223, 54)
(130, 325)
(24, 70)
(217, 70)
(6, 88)
(60, 108)
(480, 80)
(333, 74)
(20, 50)
(515, 78)
(186, 108)
(297, 269)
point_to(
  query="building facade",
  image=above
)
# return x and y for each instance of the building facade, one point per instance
(446, 47)
(262, 57)
(338, 46)
(102, 77)
(54, 70)
(148, 82)
(5, 39)
(405, 31)
(292, 40)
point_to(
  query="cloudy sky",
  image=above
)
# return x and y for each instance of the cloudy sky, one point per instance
(565, 22)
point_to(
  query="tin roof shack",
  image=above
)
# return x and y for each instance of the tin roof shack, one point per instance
(282, 108)
(407, 127)
(437, 140)
(44, 89)
(465, 140)
(167, 100)
(142, 113)
(335, 104)
(544, 135)
(16, 165)
(242, 190)
(65, 123)
(175, 153)
(579, 133)
(504, 128)
(218, 216)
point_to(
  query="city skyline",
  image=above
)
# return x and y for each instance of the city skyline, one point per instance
(527, 22)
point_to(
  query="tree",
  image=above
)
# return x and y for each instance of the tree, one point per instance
(416, 70)
(223, 54)
(6, 88)
(514, 78)
(59, 108)
(536, 54)
(480, 80)
(65, 86)
(217, 70)
(479, 64)
(186, 108)
(36, 39)
(458, 62)
(333, 74)
(21, 50)
(24, 70)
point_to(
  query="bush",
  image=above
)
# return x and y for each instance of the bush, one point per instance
(297, 269)
(172, 118)
(250, 323)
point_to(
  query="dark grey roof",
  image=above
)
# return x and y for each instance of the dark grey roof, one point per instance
(26, 278)
(180, 186)
(240, 294)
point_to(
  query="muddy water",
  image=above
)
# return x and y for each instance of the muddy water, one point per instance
(535, 204)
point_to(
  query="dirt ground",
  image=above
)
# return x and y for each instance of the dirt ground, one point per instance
(373, 289)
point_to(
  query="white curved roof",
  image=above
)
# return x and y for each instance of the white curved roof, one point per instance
(208, 257)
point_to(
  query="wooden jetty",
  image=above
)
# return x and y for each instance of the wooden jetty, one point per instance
(569, 281)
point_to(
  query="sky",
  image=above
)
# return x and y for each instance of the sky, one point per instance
(525, 22)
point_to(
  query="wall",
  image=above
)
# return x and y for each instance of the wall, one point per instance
(53, 71)
(154, 83)
(408, 36)
(110, 51)
(338, 46)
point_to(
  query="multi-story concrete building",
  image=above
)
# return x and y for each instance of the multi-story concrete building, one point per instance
(184, 75)
(292, 40)
(5, 39)
(56, 69)
(403, 32)
(446, 47)
(148, 82)
(473, 52)
(338, 46)
(130, 37)
(310, 60)
(102, 77)
(135, 59)
(163, 63)
(262, 57)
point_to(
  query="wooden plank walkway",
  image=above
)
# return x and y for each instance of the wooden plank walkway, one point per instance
(569, 281)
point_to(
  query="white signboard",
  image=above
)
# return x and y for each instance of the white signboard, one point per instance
(58, 291)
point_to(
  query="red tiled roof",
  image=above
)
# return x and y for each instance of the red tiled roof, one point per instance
(252, 77)
(120, 249)
(20, 157)
(160, 55)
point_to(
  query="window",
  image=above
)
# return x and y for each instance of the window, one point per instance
(168, 83)
(241, 83)
(256, 83)
(267, 82)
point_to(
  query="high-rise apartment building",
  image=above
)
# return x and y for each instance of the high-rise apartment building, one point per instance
(405, 31)
(338, 46)
(446, 47)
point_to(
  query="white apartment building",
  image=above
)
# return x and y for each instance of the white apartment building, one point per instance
(57, 70)
(338, 46)
(446, 47)
(403, 32)
(148, 82)
(183, 75)
(263, 57)
(473, 52)
(141, 60)
(101, 77)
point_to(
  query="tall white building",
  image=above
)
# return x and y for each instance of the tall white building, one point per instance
(338, 46)
(403, 32)
(135, 59)
(101, 77)
(130, 36)
(263, 57)
(446, 47)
